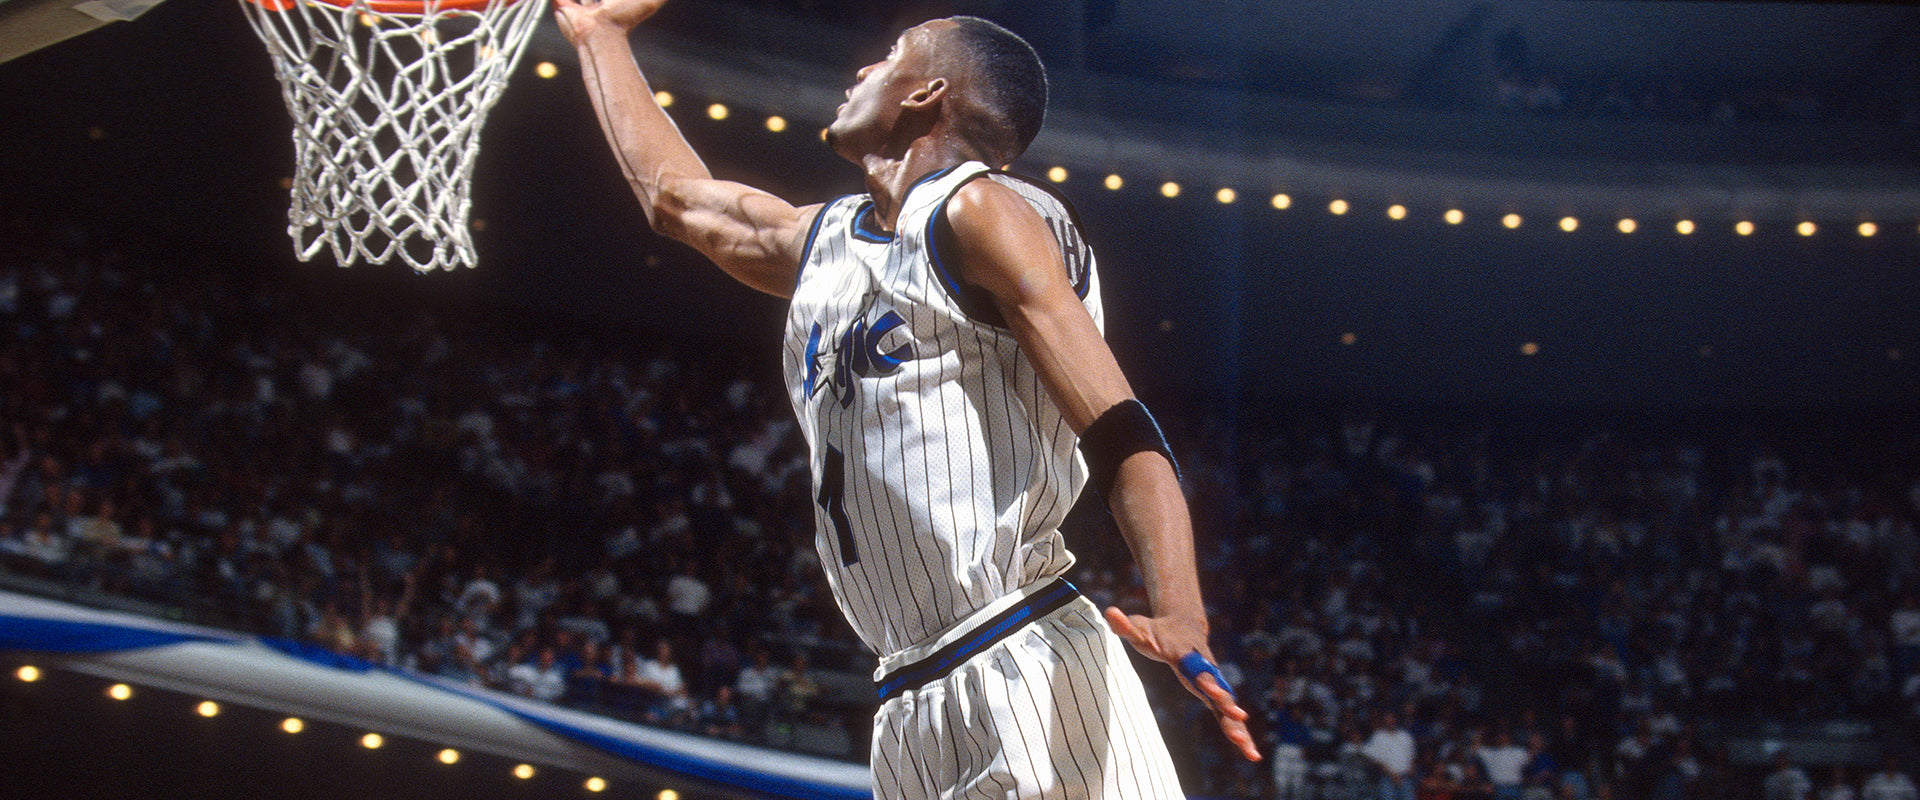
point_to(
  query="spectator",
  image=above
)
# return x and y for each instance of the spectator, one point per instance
(1391, 749)
(1838, 786)
(1904, 627)
(1890, 783)
(587, 678)
(1291, 738)
(799, 688)
(479, 596)
(687, 599)
(1439, 782)
(542, 679)
(720, 717)
(1504, 763)
(756, 684)
(1787, 781)
(1473, 783)
(658, 678)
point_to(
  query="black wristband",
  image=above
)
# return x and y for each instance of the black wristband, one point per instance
(1119, 432)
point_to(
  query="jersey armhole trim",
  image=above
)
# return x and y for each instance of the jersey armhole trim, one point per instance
(813, 232)
(977, 303)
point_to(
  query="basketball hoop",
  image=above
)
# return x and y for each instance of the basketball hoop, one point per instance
(387, 99)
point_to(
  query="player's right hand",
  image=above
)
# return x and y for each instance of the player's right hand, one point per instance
(1167, 641)
(577, 17)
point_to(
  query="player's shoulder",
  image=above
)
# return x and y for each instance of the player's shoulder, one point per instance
(999, 195)
(979, 202)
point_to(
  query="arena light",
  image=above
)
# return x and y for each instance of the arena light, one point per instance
(777, 123)
(1706, 351)
(523, 772)
(717, 112)
(1170, 190)
(1807, 228)
(1893, 354)
(1338, 207)
(207, 708)
(1226, 195)
(667, 794)
(372, 741)
(546, 69)
(596, 784)
(1743, 227)
(1627, 225)
(1684, 227)
(449, 756)
(1455, 216)
(1349, 338)
(1569, 224)
(1113, 182)
(1396, 211)
(293, 725)
(27, 673)
(1057, 174)
(1511, 221)
(1282, 201)
(1530, 349)
(120, 691)
(664, 98)
(1868, 229)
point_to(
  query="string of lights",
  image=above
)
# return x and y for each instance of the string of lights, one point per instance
(121, 692)
(1859, 225)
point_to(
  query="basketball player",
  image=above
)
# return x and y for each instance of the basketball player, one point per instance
(945, 359)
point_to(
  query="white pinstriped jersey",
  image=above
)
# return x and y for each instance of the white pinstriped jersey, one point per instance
(941, 467)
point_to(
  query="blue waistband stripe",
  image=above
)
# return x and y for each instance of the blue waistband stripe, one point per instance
(920, 673)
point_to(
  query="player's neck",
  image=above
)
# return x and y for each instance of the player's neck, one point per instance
(888, 178)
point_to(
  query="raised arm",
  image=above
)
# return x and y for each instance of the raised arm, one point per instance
(1007, 249)
(752, 235)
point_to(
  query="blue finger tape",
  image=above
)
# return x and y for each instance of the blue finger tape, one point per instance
(1193, 665)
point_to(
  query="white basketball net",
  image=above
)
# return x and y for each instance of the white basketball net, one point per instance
(387, 110)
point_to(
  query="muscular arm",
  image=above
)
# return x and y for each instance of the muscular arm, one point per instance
(752, 235)
(1007, 249)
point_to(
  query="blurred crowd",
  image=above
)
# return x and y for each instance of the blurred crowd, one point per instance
(1411, 603)
(1457, 608)
(536, 512)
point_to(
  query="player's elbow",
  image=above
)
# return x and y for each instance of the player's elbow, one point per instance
(665, 210)
(667, 205)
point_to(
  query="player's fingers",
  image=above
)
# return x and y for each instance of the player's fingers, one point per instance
(1222, 700)
(1237, 733)
(1198, 671)
(1135, 635)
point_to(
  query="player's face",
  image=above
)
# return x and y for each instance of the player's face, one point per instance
(863, 124)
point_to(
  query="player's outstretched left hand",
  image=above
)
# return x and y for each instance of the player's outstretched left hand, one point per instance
(1171, 642)
(577, 16)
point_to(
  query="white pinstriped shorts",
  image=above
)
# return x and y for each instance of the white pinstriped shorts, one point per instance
(1046, 707)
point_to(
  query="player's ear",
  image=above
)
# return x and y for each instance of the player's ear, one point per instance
(927, 96)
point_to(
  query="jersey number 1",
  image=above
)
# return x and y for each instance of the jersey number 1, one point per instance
(833, 479)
